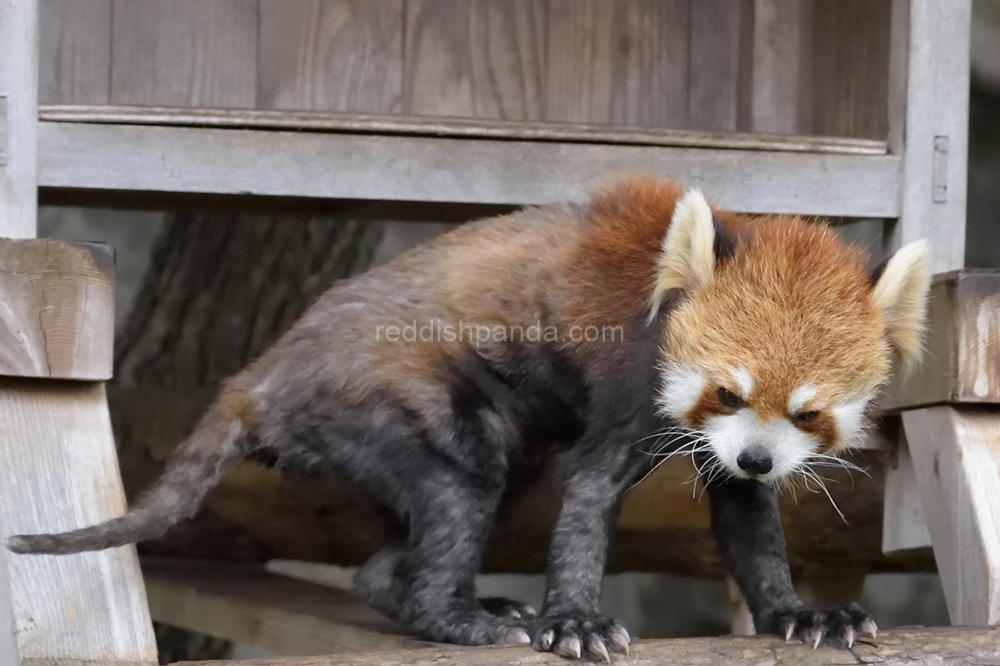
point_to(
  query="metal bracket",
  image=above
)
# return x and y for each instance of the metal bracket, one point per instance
(939, 176)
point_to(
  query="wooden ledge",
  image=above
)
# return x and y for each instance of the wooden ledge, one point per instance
(439, 126)
(902, 647)
(962, 363)
(336, 156)
(56, 309)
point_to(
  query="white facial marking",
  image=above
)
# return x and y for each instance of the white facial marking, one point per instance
(681, 390)
(850, 420)
(744, 381)
(799, 397)
(730, 435)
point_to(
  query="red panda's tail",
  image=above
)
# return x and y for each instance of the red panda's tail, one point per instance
(215, 446)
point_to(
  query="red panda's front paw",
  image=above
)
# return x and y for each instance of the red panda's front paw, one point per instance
(837, 628)
(574, 634)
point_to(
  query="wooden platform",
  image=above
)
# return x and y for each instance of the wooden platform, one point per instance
(903, 647)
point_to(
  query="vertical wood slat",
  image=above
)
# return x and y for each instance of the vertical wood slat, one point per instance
(621, 63)
(184, 53)
(19, 93)
(331, 55)
(780, 74)
(474, 58)
(850, 60)
(715, 49)
(74, 51)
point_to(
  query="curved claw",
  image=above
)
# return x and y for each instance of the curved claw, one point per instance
(546, 639)
(596, 646)
(569, 647)
(619, 641)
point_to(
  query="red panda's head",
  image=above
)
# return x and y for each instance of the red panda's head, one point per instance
(775, 351)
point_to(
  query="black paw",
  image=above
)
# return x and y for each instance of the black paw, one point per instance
(502, 607)
(575, 634)
(838, 628)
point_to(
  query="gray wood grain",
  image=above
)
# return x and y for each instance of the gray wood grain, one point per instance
(75, 51)
(454, 127)
(334, 55)
(475, 58)
(180, 159)
(715, 45)
(620, 63)
(929, 100)
(184, 52)
(59, 459)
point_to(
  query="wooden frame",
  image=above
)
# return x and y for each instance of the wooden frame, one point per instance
(915, 180)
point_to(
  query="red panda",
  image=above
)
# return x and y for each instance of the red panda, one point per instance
(755, 344)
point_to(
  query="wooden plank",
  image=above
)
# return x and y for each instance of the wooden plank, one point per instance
(928, 123)
(850, 63)
(333, 55)
(184, 52)
(962, 363)
(281, 615)
(714, 70)
(898, 647)
(475, 58)
(956, 454)
(904, 525)
(58, 459)
(180, 159)
(781, 56)
(618, 63)
(57, 314)
(75, 51)
(19, 92)
(453, 127)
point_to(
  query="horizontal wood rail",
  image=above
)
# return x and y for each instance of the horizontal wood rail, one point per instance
(335, 156)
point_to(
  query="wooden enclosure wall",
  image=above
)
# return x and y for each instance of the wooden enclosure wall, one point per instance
(787, 66)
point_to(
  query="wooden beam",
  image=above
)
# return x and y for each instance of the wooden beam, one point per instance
(962, 363)
(58, 315)
(58, 470)
(328, 165)
(899, 647)
(279, 614)
(956, 457)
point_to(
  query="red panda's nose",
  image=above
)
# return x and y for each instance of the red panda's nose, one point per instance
(755, 460)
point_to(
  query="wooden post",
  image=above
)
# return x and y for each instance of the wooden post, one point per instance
(928, 128)
(58, 466)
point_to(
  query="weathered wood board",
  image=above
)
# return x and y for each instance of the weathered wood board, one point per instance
(56, 309)
(899, 647)
(962, 363)
(720, 65)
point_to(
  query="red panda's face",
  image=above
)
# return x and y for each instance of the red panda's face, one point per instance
(774, 354)
(776, 359)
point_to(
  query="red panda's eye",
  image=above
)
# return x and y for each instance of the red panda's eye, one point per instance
(806, 417)
(729, 399)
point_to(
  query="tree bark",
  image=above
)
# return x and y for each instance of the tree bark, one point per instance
(902, 647)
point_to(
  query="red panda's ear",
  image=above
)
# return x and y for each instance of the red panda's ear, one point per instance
(900, 294)
(687, 257)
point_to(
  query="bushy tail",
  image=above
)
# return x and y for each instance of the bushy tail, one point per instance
(213, 448)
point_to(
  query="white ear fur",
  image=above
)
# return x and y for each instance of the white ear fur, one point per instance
(687, 258)
(901, 296)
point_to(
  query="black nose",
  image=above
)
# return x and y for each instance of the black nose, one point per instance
(755, 460)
